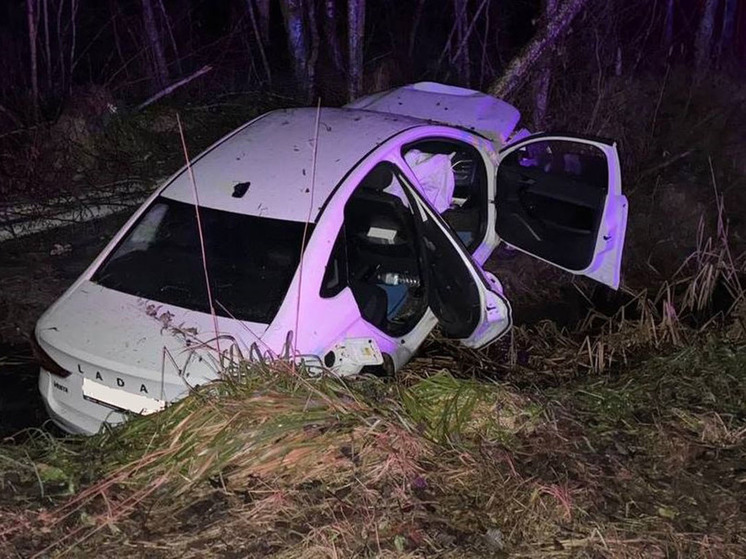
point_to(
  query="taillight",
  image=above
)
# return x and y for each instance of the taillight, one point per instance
(46, 362)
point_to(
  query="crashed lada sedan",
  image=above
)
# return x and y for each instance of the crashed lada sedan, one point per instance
(338, 238)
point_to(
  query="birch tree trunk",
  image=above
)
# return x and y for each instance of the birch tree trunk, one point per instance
(703, 40)
(519, 68)
(297, 35)
(158, 58)
(355, 38)
(545, 76)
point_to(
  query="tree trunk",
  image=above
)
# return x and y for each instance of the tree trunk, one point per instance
(355, 39)
(260, 39)
(262, 8)
(332, 34)
(415, 25)
(728, 28)
(310, 6)
(158, 58)
(461, 51)
(32, 33)
(292, 12)
(668, 25)
(545, 76)
(167, 23)
(47, 47)
(519, 68)
(703, 40)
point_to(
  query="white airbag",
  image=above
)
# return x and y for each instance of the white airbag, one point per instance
(435, 175)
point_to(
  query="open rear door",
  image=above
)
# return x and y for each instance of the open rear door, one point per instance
(467, 302)
(559, 198)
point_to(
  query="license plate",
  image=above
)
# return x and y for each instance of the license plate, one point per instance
(116, 398)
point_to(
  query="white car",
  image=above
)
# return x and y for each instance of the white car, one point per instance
(334, 237)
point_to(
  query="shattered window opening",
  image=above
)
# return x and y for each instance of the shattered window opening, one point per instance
(251, 260)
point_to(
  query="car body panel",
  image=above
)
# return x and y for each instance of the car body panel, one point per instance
(604, 258)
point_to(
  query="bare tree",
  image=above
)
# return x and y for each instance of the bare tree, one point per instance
(545, 76)
(47, 47)
(167, 23)
(668, 24)
(262, 8)
(355, 38)
(703, 40)
(332, 34)
(415, 25)
(158, 58)
(727, 31)
(31, 17)
(259, 35)
(298, 42)
(460, 58)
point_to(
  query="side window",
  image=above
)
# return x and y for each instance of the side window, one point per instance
(376, 255)
(466, 208)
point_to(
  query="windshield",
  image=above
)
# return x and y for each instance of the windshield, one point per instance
(251, 260)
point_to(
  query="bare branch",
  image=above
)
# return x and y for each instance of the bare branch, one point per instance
(173, 87)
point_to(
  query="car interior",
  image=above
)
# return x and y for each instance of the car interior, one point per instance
(467, 215)
(376, 255)
(550, 200)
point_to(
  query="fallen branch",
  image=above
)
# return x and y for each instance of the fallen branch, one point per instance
(521, 65)
(174, 86)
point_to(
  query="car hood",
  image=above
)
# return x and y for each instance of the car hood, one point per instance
(125, 341)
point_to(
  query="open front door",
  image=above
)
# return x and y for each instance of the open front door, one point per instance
(467, 302)
(559, 198)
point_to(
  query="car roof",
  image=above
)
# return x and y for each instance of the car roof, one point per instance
(274, 153)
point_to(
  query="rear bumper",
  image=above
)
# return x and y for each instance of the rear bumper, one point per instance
(63, 398)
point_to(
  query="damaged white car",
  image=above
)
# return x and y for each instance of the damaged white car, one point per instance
(335, 237)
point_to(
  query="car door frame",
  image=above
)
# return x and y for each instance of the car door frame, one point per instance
(615, 206)
(328, 221)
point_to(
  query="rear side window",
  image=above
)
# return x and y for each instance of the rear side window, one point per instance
(251, 260)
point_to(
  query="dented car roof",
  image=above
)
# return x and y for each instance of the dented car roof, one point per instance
(274, 154)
